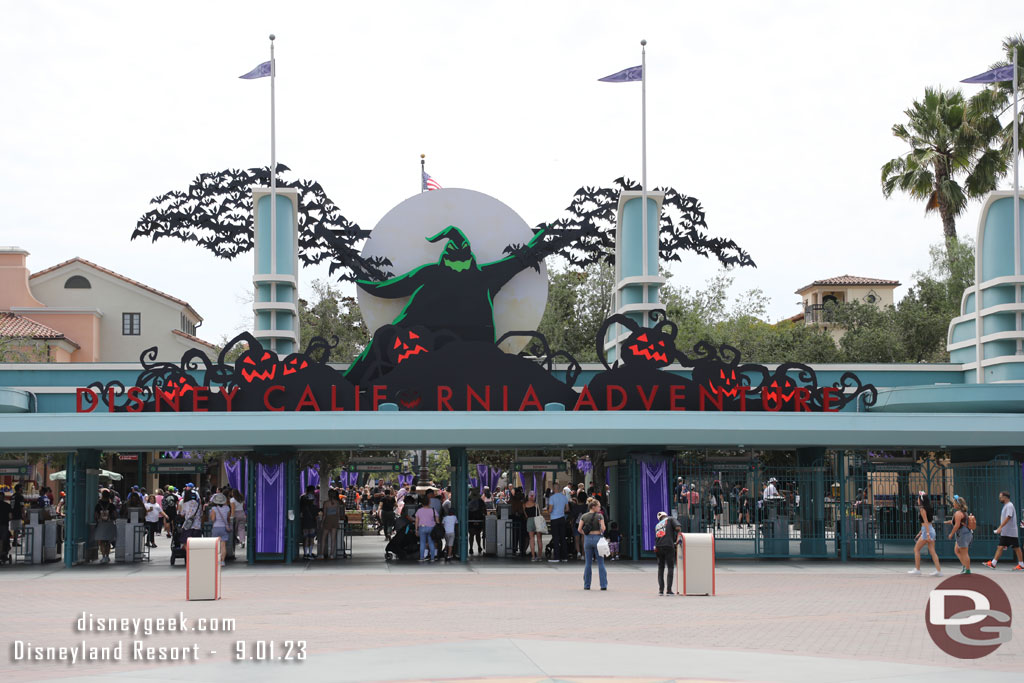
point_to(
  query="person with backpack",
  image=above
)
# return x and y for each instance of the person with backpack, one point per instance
(666, 535)
(170, 506)
(964, 524)
(592, 527)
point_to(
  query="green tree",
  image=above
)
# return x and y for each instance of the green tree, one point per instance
(578, 302)
(924, 313)
(333, 316)
(709, 314)
(954, 155)
(23, 350)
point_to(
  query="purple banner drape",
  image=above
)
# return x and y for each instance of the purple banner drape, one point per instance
(270, 496)
(309, 477)
(488, 476)
(474, 483)
(233, 472)
(533, 483)
(405, 479)
(653, 497)
(185, 455)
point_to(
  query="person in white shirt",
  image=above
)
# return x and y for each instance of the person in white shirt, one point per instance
(1007, 532)
(153, 519)
(449, 520)
(770, 491)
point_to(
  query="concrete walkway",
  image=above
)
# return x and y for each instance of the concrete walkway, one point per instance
(365, 620)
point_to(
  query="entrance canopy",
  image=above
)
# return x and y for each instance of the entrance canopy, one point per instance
(552, 429)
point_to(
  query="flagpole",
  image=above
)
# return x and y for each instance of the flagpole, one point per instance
(1016, 162)
(423, 170)
(643, 143)
(273, 171)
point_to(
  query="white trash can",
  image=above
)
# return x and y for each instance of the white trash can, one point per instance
(202, 569)
(695, 560)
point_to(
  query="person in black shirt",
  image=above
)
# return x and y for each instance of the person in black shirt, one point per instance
(666, 535)
(17, 513)
(5, 519)
(387, 513)
(477, 513)
(308, 511)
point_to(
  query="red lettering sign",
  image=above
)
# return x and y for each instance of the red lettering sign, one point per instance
(308, 399)
(444, 397)
(266, 397)
(93, 400)
(585, 399)
(484, 401)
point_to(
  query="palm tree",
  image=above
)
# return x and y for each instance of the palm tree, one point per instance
(951, 159)
(996, 98)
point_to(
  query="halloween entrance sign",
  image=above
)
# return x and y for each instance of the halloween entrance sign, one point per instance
(444, 348)
(418, 369)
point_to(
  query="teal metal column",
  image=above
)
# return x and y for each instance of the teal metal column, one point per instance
(291, 505)
(251, 503)
(80, 501)
(460, 459)
(810, 462)
(841, 508)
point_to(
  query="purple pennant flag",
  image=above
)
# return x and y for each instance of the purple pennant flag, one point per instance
(261, 71)
(633, 73)
(997, 75)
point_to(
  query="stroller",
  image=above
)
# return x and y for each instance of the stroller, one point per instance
(179, 538)
(404, 545)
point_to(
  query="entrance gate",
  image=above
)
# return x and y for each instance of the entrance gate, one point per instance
(879, 511)
(798, 522)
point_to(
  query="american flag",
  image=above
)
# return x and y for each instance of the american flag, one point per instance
(429, 183)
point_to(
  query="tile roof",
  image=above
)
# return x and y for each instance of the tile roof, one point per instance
(18, 326)
(850, 281)
(192, 338)
(78, 259)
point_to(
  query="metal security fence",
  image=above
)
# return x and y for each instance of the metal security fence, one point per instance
(756, 510)
(880, 514)
(846, 505)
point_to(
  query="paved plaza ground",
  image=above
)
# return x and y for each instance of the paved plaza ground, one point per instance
(501, 620)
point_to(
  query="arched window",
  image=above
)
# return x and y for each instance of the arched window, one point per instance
(77, 282)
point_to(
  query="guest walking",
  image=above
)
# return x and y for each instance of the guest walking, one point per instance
(592, 527)
(962, 532)
(926, 536)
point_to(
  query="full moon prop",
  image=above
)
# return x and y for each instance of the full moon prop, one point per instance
(401, 237)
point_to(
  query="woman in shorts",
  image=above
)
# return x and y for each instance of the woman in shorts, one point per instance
(220, 514)
(926, 536)
(961, 533)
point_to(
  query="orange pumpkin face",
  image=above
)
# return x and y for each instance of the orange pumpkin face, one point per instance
(256, 365)
(294, 363)
(179, 385)
(408, 343)
(648, 347)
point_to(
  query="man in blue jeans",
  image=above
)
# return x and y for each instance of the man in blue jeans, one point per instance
(558, 504)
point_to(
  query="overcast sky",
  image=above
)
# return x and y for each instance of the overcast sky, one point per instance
(776, 115)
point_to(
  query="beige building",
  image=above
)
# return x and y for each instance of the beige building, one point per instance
(79, 311)
(842, 289)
